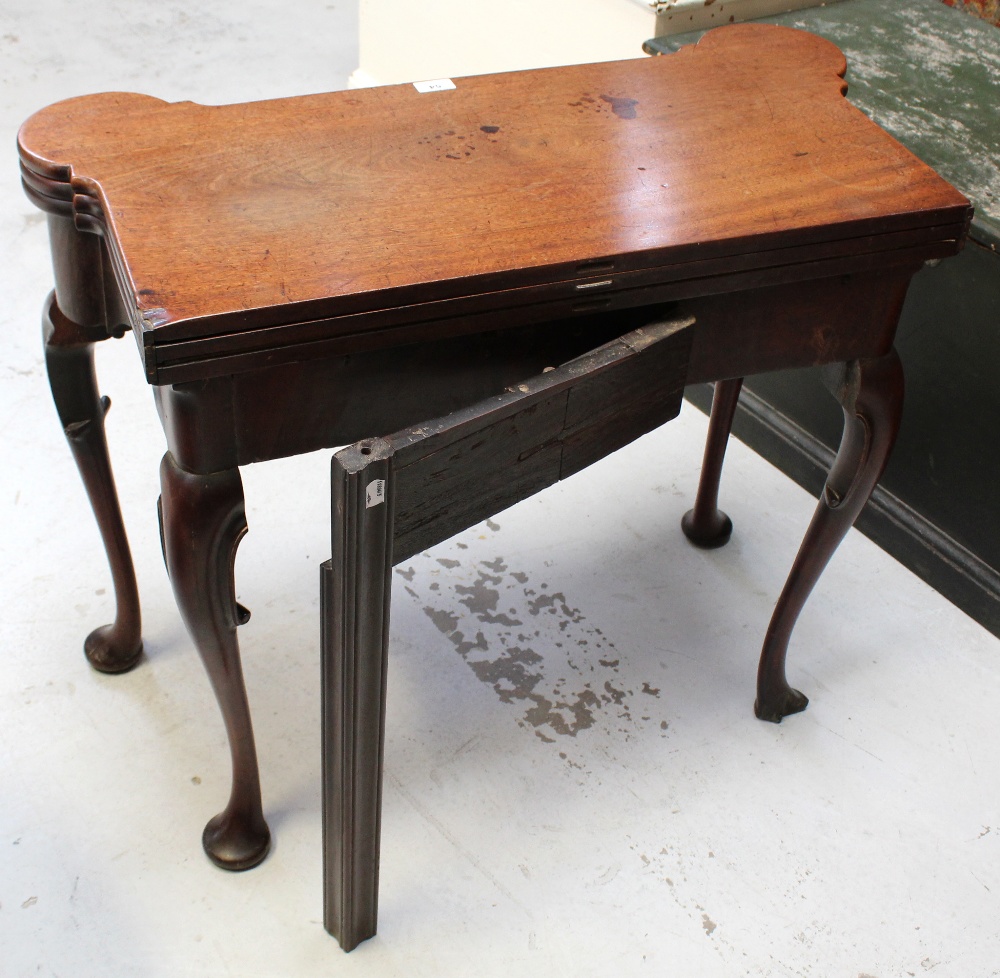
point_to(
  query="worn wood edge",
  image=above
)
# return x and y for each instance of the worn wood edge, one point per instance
(413, 444)
(693, 267)
(354, 458)
(499, 317)
(921, 546)
(768, 250)
(540, 432)
(428, 519)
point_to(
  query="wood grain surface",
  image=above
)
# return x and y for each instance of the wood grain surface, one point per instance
(224, 219)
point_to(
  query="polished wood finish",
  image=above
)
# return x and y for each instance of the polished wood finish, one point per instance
(871, 393)
(203, 521)
(74, 319)
(69, 361)
(395, 496)
(302, 273)
(286, 221)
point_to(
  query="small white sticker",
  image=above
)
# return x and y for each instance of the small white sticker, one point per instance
(375, 493)
(437, 85)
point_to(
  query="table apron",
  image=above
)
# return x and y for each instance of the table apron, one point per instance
(291, 408)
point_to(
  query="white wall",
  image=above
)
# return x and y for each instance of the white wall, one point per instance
(404, 41)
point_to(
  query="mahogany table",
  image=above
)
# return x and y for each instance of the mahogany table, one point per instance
(305, 272)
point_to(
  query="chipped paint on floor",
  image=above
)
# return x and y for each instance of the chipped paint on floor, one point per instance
(529, 643)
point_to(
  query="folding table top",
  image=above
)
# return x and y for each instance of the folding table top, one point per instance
(243, 227)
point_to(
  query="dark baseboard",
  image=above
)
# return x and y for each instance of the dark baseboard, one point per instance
(951, 569)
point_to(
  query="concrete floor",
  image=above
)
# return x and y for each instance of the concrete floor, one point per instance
(610, 808)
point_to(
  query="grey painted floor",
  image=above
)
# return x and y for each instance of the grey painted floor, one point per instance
(575, 783)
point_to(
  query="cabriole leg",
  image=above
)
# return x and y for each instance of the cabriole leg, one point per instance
(871, 392)
(203, 523)
(69, 360)
(706, 525)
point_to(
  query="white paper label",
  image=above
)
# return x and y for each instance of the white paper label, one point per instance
(375, 493)
(437, 85)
